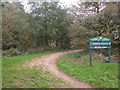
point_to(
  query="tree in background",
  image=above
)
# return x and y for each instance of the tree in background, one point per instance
(46, 27)
(52, 26)
(9, 33)
(105, 21)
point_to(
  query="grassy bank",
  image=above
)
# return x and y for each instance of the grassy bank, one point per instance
(14, 75)
(104, 75)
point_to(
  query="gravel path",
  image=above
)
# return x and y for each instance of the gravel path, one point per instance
(48, 63)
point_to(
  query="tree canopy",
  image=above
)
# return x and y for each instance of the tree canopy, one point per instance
(51, 26)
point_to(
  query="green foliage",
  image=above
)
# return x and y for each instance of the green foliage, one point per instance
(51, 26)
(46, 27)
(11, 52)
(105, 21)
(104, 75)
(8, 33)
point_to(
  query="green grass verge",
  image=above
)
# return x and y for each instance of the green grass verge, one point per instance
(14, 75)
(0, 73)
(104, 75)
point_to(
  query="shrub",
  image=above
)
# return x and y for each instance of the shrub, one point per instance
(11, 52)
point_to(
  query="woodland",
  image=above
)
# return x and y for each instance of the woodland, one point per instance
(53, 26)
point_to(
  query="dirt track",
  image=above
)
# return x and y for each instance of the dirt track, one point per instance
(48, 63)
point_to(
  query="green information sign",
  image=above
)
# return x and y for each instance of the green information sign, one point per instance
(99, 43)
(99, 47)
(100, 38)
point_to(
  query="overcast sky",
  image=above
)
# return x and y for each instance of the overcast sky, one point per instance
(66, 2)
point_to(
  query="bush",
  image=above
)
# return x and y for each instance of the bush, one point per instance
(32, 51)
(38, 50)
(11, 52)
